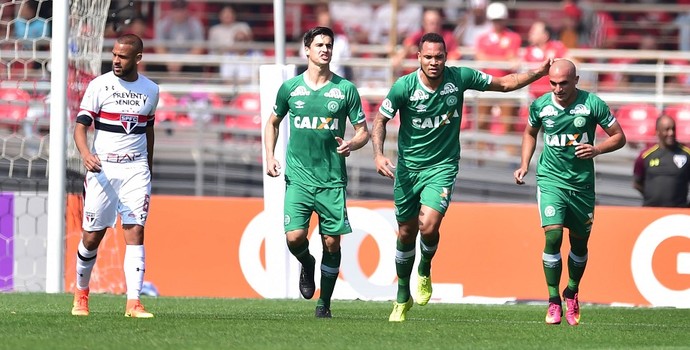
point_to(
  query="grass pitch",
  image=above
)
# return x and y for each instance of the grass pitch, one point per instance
(43, 321)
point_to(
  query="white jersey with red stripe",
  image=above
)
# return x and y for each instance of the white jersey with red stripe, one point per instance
(120, 110)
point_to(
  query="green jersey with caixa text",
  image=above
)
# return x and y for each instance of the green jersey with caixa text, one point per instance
(316, 117)
(564, 128)
(430, 120)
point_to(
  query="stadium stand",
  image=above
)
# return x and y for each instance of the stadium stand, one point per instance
(638, 120)
(202, 161)
(14, 105)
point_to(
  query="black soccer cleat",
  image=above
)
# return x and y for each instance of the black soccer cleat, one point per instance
(306, 280)
(322, 312)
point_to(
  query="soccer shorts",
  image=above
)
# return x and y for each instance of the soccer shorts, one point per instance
(432, 187)
(123, 189)
(572, 209)
(328, 203)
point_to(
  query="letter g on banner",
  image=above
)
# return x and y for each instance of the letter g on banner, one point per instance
(641, 261)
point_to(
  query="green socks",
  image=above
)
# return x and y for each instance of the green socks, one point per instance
(404, 263)
(330, 267)
(428, 250)
(552, 262)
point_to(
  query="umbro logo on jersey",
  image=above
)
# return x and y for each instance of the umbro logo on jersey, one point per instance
(299, 104)
(129, 122)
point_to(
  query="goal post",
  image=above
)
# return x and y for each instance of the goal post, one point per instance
(55, 242)
(76, 46)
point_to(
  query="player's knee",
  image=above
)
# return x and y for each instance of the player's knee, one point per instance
(554, 238)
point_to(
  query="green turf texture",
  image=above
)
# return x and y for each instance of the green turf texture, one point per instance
(43, 321)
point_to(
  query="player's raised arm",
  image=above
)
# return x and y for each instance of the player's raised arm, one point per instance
(516, 81)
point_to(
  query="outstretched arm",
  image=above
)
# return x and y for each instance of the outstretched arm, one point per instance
(516, 81)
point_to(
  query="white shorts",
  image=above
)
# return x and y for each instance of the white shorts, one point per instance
(123, 189)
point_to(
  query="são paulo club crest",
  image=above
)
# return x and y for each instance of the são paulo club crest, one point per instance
(129, 122)
(679, 160)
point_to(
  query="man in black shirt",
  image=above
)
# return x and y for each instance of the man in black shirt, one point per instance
(662, 172)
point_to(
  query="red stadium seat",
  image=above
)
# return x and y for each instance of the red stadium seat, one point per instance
(466, 122)
(198, 104)
(166, 100)
(366, 108)
(638, 122)
(681, 114)
(245, 115)
(14, 104)
(517, 123)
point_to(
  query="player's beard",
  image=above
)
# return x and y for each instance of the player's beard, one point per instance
(124, 71)
(439, 75)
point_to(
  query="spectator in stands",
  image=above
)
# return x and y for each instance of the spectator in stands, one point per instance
(221, 37)
(180, 33)
(355, 16)
(600, 29)
(29, 26)
(341, 42)
(568, 118)
(662, 172)
(432, 22)
(472, 24)
(409, 17)
(570, 31)
(499, 44)
(240, 72)
(638, 80)
(540, 48)
(683, 24)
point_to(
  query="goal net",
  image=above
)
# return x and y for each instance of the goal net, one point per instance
(25, 79)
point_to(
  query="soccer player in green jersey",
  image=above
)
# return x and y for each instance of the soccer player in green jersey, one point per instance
(429, 102)
(568, 118)
(317, 104)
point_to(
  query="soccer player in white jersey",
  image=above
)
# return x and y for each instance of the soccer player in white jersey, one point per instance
(121, 105)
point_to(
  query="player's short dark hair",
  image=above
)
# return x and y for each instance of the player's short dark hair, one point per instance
(132, 39)
(432, 38)
(312, 33)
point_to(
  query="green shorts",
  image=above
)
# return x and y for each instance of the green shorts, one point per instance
(328, 203)
(572, 209)
(432, 187)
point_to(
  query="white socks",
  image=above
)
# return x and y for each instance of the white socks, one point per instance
(134, 270)
(86, 259)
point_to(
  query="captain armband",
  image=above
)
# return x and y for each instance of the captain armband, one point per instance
(84, 119)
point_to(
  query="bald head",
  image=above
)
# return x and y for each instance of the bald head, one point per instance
(666, 131)
(563, 80)
(563, 67)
